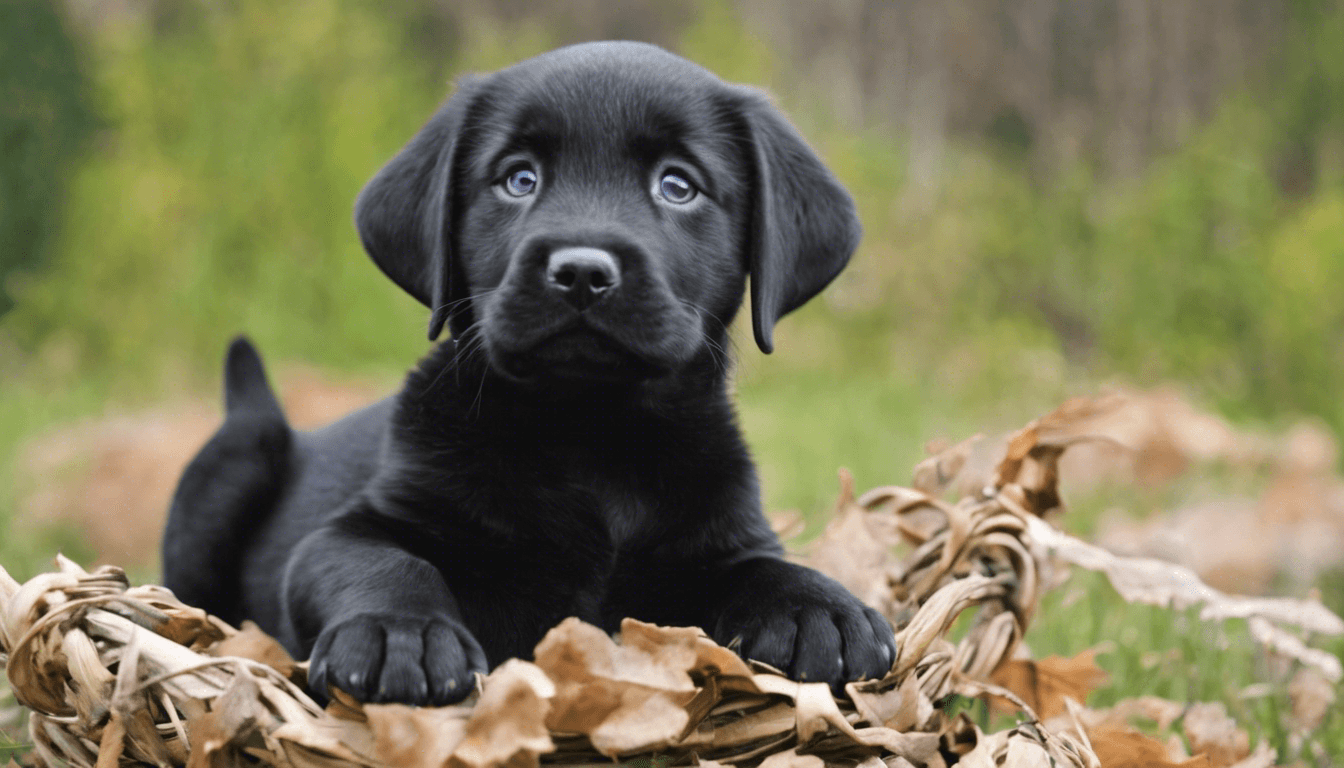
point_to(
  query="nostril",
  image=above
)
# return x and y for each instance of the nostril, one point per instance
(599, 280)
(564, 277)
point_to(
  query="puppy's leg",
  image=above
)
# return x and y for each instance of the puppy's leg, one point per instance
(788, 616)
(380, 622)
(797, 620)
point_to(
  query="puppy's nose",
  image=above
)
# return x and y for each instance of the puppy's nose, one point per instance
(582, 275)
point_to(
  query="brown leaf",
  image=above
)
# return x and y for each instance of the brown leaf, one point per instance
(319, 742)
(409, 737)
(1311, 695)
(936, 474)
(1019, 447)
(112, 744)
(849, 552)
(1044, 684)
(713, 659)
(508, 725)
(1161, 711)
(640, 724)
(787, 525)
(817, 712)
(1145, 580)
(791, 759)
(1210, 731)
(187, 626)
(1284, 643)
(1264, 756)
(576, 652)
(669, 647)
(901, 708)
(90, 683)
(143, 739)
(251, 643)
(9, 587)
(234, 717)
(597, 680)
(905, 514)
(343, 706)
(1121, 747)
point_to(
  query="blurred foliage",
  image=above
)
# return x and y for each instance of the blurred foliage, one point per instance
(44, 124)
(232, 139)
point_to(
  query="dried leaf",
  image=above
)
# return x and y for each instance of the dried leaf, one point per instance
(853, 552)
(1044, 685)
(1161, 711)
(1264, 756)
(1143, 580)
(1286, 644)
(112, 745)
(597, 680)
(713, 659)
(1210, 731)
(575, 652)
(323, 741)
(251, 643)
(936, 474)
(8, 588)
(787, 525)
(408, 737)
(508, 725)
(1023, 753)
(1119, 747)
(216, 736)
(791, 759)
(900, 708)
(1311, 695)
(641, 723)
(675, 648)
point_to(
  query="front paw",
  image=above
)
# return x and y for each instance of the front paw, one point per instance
(391, 658)
(812, 629)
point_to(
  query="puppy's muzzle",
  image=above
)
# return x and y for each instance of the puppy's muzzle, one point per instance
(581, 276)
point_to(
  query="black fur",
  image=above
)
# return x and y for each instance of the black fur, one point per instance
(573, 450)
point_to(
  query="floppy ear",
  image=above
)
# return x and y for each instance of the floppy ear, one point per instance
(403, 213)
(804, 225)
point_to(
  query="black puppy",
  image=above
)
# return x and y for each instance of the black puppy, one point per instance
(585, 223)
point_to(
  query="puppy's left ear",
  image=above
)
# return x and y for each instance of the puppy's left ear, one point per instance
(804, 224)
(404, 213)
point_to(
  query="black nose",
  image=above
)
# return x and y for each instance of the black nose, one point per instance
(582, 275)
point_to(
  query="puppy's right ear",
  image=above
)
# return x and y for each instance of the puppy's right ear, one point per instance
(404, 212)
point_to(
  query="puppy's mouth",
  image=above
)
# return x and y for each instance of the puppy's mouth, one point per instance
(575, 355)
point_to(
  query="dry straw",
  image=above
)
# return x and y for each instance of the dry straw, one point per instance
(118, 675)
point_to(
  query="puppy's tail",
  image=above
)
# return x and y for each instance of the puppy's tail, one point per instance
(246, 390)
(228, 490)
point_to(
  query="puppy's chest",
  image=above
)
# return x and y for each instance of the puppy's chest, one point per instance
(626, 514)
(602, 480)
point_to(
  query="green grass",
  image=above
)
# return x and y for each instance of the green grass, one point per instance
(1172, 654)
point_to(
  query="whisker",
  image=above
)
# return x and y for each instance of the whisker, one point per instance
(720, 355)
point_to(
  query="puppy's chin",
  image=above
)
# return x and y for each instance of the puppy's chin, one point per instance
(575, 358)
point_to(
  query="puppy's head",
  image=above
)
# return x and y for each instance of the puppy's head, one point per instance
(593, 214)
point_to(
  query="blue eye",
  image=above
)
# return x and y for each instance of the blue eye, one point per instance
(676, 189)
(521, 182)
